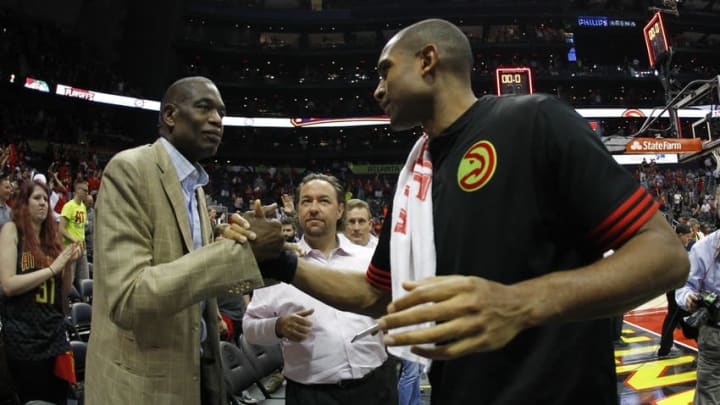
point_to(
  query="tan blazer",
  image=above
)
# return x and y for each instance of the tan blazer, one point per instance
(145, 337)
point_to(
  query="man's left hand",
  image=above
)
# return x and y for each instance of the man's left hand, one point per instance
(472, 314)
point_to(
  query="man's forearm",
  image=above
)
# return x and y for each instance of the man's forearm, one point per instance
(648, 265)
(260, 331)
(343, 289)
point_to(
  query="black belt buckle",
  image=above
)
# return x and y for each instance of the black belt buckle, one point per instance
(342, 384)
(346, 384)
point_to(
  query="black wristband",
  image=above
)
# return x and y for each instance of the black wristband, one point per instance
(281, 268)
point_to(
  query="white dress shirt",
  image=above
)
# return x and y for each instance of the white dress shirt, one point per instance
(371, 244)
(326, 356)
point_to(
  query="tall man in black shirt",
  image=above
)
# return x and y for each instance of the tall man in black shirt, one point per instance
(519, 314)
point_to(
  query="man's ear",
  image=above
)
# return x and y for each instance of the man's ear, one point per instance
(168, 115)
(429, 57)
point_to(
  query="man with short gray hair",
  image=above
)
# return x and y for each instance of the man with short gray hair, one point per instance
(358, 223)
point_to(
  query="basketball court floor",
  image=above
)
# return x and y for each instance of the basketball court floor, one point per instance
(642, 377)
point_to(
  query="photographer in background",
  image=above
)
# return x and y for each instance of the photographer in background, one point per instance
(675, 315)
(703, 277)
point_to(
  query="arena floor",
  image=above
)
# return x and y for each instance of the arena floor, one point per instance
(642, 377)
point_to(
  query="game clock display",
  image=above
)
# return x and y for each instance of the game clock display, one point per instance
(655, 39)
(513, 81)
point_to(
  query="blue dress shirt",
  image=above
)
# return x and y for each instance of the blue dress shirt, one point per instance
(191, 176)
(704, 269)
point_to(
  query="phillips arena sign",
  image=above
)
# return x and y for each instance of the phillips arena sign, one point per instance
(663, 145)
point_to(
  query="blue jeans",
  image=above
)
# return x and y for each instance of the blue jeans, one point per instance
(409, 383)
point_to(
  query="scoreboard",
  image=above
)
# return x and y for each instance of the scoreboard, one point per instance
(656, 40)
(513, 81)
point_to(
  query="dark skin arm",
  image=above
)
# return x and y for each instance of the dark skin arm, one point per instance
(357, 294)
(482, 315)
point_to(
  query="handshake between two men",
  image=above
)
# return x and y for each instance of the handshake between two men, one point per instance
(276, 258)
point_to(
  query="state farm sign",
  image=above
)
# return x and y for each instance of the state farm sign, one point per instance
(663, 145)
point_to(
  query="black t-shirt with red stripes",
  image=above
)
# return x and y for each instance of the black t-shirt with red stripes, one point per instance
(523, 187)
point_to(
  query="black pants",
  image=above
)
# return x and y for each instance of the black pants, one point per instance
(35, 380)
(378, 387)
(237, 329)
(673, 318)
(8, 395)
(617, 326)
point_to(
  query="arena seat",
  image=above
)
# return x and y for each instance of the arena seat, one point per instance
(238, 372)
(86, 290)
(264, 359)
(79, 349)
(80, 316)
(74, 295)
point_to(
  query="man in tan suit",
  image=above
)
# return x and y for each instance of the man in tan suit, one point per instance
(154, 269)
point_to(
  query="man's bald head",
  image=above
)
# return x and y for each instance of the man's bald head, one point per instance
(180, 91)
(191, 116)
(455, 53)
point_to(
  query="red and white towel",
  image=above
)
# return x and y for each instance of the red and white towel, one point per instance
(412, 241)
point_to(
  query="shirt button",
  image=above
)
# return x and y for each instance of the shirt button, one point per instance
(195, 378)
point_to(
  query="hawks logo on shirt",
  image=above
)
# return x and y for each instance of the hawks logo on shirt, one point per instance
(477, 166)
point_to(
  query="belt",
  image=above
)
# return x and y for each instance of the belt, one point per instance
(345, 384)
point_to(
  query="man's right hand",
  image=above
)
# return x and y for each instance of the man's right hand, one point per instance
(239, 229)
(691, 302)
(269, 241)
(295, 327)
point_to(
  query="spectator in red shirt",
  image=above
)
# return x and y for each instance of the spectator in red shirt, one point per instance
(94, 181)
